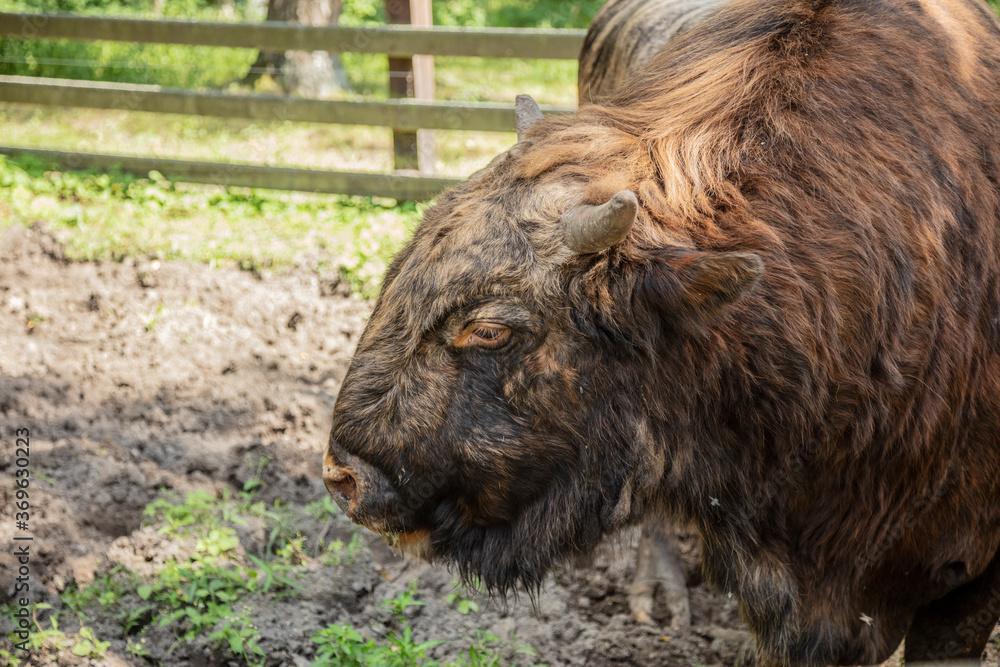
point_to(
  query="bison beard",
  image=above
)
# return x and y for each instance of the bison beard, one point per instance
(510, 557)
(758, 291)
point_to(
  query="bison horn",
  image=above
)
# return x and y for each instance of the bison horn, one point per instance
(526, 114)
(590, 229)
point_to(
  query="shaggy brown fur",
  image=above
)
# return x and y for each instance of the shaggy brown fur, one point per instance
(833, 430)
(626, 34)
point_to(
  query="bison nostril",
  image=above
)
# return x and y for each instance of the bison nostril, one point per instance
(346, 487)
(340, 483)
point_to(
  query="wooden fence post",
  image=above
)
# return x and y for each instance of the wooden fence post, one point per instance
(411, 77)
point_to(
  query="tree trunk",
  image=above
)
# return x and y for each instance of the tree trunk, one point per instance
(308, 73)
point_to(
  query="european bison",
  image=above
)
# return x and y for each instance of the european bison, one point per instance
(758, 291)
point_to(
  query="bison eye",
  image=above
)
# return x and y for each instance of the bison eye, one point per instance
(489, 335)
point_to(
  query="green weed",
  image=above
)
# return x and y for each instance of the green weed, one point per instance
(106, 591)
(198, 508)
(343, 646)
(403, 601)
(460, 602)
(324, 508)
(84, 643)
(200, 597)
(480, 652)
(338, 552)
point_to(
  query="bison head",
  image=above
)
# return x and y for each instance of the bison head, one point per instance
(515, 394)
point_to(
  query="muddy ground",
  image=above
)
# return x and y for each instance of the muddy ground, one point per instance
(140, 378)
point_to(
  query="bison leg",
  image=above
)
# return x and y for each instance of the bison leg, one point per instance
(958, 625)
(658, 561)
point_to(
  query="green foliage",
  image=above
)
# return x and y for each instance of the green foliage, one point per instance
(199, 508)
(89, 646)
(324, 508)
(8, 659)
(83, 644)
(211, 517)
(199, 597)
(403, 601)
(478, 13)
(461, 603)
(50, 636)
(137, 648)
(168, 65)
(161, 64)
(110, 216)
(343, 646)
(480, 652)
(338, 552)
(513, 14)
(105, 591)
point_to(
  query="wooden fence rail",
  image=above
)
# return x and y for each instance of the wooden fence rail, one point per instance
(399, 114)
(392, 40)
(402, 114)
(398, 186)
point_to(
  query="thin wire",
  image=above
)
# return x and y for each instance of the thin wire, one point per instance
(73, 62)
(91, 63)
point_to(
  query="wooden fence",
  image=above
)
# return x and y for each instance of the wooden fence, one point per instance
(400, 114)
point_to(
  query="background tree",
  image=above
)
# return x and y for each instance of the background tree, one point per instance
(308, 73)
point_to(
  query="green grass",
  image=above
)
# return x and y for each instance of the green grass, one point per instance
(109, 216)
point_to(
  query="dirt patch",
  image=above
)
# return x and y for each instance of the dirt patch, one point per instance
(141, 378)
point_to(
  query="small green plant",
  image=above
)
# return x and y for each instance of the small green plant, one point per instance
(106, 590)
(460, 602)
(89, 646)
(34, 320)
(340, 553)
(403, 601)
(84, 644)
(8, 659)
(218, 543)
(238, 633)
(343, 646)
(480, 652)
(50, 636)
(154, 318)
(200, 512)
(293, 552)
(324, 508)
(407, 651)
(198, 508)
(274, 576)
(199, 597)
(137, 648)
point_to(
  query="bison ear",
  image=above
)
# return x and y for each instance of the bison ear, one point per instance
(709, 281)
(526, 114)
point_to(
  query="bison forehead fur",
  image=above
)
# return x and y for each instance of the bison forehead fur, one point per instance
(830, 424)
